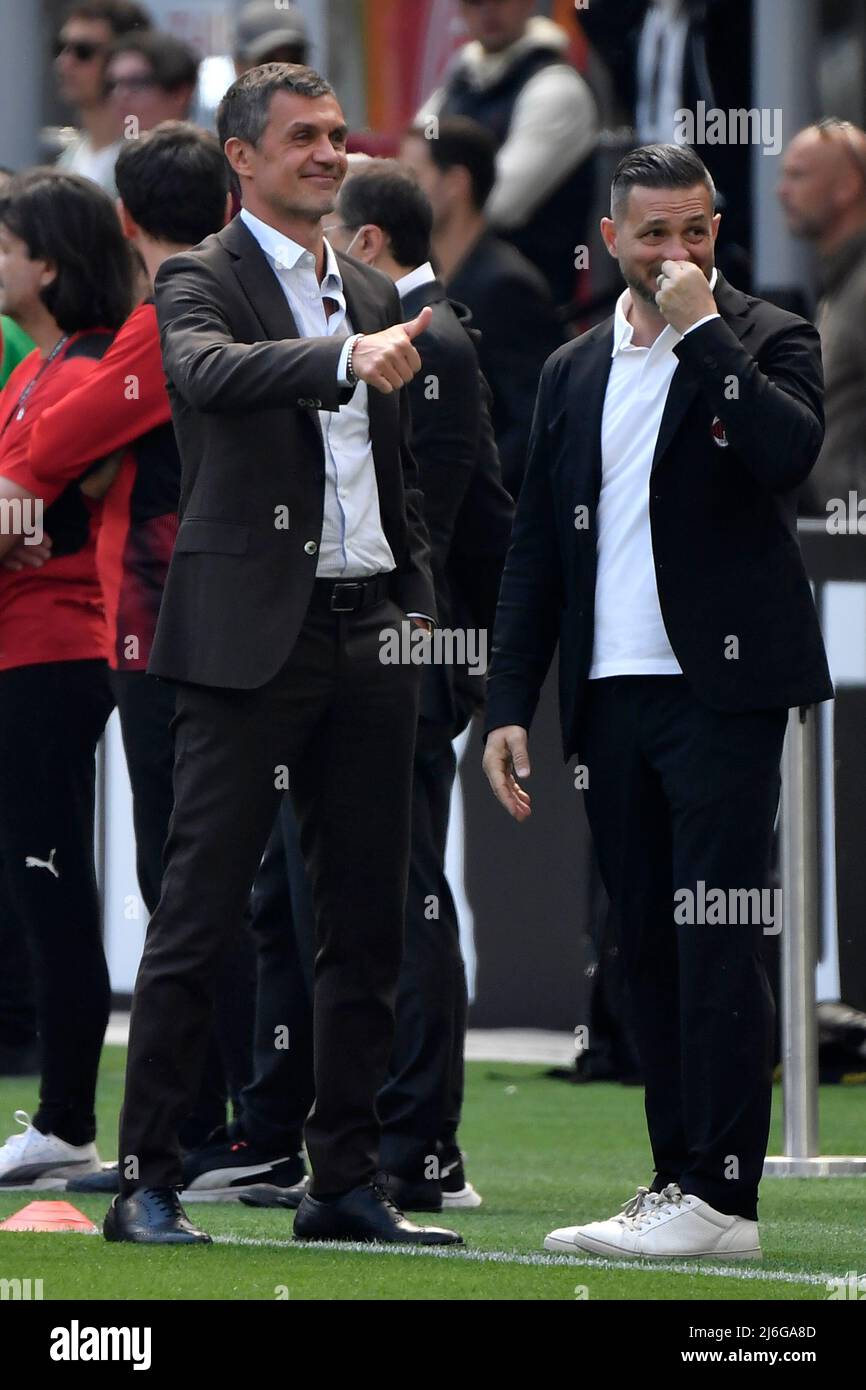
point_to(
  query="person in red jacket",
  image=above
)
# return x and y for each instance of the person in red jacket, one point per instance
(173, 189)
(66, 279)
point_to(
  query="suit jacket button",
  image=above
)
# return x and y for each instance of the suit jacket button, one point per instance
(303, 402)
(310, 547)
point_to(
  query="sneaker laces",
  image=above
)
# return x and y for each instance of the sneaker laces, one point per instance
(635, 1205)
(23, 1119)
(654, 1207)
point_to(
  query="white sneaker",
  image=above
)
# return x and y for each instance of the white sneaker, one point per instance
(32, 1160)
(457, 1190)
(465, 1196)
(666, 1225)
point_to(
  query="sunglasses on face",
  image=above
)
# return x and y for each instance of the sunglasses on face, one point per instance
(82, 50)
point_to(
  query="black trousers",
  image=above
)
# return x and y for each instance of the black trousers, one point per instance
(681, 796)
(17, 1002)
(51, 719)
(421, 1102)
(275, 1104)
(343, 724)
(146, 708)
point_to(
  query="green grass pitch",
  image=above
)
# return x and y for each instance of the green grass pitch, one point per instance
(541, 1152)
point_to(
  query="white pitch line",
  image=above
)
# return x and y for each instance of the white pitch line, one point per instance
(543, 1260)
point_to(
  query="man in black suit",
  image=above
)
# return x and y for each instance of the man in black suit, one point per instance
(507, 296)
(385, 220)
(655, 542)
(301, 540)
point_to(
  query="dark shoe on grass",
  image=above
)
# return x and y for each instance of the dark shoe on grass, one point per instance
(151, 1216)
(365, 1214)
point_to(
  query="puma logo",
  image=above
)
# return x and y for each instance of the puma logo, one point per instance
(31, 862)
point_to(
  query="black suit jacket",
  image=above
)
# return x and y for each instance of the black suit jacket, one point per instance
(466, 508)
(723, 520)
(245, 393)
(512, 308)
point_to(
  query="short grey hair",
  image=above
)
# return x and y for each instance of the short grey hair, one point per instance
(244, 110)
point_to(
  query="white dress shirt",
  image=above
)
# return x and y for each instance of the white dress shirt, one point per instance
(630, 637)
(421, 275)
(353, 543)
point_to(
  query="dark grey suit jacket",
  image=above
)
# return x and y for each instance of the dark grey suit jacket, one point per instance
(245, 394)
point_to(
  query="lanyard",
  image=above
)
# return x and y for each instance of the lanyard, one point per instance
(21, 403)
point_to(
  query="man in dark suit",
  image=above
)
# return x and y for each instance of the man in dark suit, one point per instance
(655, 542)
(385, 220)
(507, 296)
(469, 516)
(301, 540)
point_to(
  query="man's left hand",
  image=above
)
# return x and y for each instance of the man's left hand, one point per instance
(684, 294)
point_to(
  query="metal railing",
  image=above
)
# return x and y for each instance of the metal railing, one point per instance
(799, 948)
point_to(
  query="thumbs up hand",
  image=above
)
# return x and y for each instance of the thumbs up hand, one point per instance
(388, 360)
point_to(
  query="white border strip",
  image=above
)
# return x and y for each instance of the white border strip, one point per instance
(512, 1257)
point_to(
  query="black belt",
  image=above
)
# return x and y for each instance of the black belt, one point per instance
(349, 595)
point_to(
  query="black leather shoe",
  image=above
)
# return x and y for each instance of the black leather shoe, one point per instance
(152, 1216)
(366, 1213)
(423, 1194)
